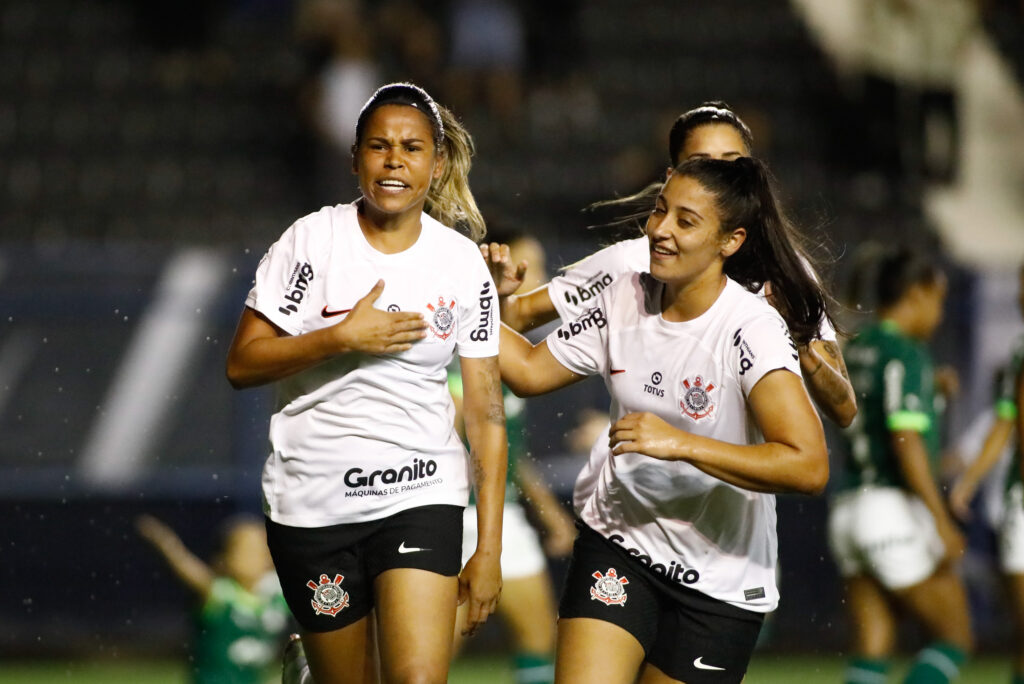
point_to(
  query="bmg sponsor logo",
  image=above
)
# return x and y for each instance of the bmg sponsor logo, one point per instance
(590, 289)
(483, 328)
(298, 286)
(747, 355)
(675, 571)
(591, 318)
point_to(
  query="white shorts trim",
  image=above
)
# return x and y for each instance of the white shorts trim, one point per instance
(521, 554)
(885, 532)
(1011, 532)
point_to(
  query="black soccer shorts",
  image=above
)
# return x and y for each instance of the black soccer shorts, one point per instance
(684, 633)
(327, 573)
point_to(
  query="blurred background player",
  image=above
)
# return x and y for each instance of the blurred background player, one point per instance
(241, 617)
(528, 604)
(891, 533)
(1003, 435)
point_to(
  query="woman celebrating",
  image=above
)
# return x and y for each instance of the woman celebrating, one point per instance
(355, 314)
(710, 131)
(674, 566)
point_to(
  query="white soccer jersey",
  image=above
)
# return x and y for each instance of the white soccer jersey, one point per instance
(363, 436)
(575, 290)
(684, 524)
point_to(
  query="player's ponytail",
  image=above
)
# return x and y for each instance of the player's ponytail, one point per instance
(772, 252)
(450, 199)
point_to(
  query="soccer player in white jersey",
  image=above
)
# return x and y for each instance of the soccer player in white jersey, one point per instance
(674, 567)
(711, 131)
(355, 314)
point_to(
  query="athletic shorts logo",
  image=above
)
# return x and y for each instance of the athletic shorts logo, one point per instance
(608, 588)
(701, 665)
(697, 401)
(443, 321)
(402, 548)
(328, 596)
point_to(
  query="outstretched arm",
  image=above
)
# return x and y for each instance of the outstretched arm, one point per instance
(530, 369)
(262, 353)
(484, 416)
(826, 378)
(193, 572)
(793, 457)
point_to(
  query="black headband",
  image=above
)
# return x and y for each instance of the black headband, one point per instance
(403, 94)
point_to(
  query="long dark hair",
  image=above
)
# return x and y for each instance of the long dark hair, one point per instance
(633, 209)
(773, 251)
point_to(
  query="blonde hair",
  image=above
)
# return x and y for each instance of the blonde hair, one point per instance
(450, 199)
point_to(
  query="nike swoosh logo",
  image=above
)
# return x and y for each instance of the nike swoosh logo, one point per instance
(402, 548)
(327, 314)
(616, 371)
(699, 664)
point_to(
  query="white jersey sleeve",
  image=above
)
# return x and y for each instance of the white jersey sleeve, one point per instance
(287, 274)
(478, 312)
(581, 345)
(761, 345)
(576, 289)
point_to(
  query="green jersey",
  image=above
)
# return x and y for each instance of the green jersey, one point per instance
(1006, 403)
(894, 378)
(238, 634)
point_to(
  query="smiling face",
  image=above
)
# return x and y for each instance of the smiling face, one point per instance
(396, 160)
(684, 232)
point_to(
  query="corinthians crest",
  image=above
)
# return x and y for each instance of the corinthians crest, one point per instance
(328, 596)
(444, 318)
(608, 588)
(697, 401)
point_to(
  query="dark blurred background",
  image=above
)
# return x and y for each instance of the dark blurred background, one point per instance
(150, 152)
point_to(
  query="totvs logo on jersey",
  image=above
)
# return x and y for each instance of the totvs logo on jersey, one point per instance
(298, 286)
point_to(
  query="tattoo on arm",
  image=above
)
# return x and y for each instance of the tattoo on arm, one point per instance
(828, 386)
(479, 474)
(491, 382)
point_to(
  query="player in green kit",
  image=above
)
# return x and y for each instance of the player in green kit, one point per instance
(241, 615)
(891, 534)
(1010, 525)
